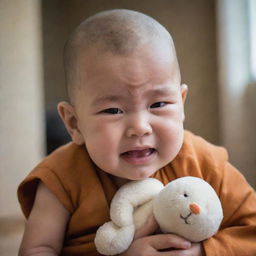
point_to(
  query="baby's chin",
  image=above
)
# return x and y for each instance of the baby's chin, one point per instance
(128, 172)
(131, 176)
(141, 174)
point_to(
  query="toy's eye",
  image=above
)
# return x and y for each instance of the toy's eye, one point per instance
(185, 195)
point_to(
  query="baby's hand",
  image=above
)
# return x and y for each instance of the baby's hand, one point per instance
(148, 228)
(158, 244)
(196, 249)
(161, 244)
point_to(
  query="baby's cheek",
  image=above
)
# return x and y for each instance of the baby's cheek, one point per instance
(99, 142)
(97, 153)
(170, 129)
(170, 138)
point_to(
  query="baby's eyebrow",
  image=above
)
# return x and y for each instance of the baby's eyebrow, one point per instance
(115, 98)
(163, 91)
(106, 99)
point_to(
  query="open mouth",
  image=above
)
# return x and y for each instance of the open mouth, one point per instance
(138, 156)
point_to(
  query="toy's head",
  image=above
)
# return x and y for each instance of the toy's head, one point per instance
(188, 207)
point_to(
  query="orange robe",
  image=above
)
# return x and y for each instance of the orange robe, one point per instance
(86, 192)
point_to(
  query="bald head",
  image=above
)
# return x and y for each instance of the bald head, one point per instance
(120, 32)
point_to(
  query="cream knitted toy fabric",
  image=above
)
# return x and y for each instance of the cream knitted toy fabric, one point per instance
(188, 207)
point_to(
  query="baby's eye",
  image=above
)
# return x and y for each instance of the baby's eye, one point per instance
(112, 111)
(159, 104)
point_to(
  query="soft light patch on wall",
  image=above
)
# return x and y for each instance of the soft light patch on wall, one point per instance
(252, 24)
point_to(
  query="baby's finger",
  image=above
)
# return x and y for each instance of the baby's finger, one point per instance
(173, 253)
(165, 241)
(195, 249)
(147, 229)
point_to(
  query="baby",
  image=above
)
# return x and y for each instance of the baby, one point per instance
(125, 116)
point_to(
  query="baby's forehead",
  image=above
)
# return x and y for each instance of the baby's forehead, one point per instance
(103, 72)
(120, 32)
(119, 75)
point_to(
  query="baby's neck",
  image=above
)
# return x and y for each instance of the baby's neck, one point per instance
(119, 181)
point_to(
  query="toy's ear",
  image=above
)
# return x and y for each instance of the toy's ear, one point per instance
(69, 118)
(131, 195)
(111, 239)
(115, 237)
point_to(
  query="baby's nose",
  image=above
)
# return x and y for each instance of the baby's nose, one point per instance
(194, 208)
(138, 126)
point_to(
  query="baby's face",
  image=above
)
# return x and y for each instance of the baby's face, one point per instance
(130, 111)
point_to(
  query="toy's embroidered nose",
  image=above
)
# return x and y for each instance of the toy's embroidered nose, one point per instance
(194, 208)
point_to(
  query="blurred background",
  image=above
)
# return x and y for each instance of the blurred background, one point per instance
(216, 47)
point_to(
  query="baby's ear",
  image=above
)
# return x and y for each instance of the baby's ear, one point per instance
(68, 116)
(184, 92)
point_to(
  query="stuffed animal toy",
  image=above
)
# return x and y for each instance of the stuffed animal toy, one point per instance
(187, 206)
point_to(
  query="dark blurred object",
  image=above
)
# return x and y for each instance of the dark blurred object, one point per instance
(56, 134)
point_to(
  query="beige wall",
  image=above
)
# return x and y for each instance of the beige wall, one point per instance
(192, 24)
(237, 89)
(21, 110)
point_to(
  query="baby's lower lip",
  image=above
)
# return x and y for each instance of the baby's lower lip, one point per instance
(138, 157)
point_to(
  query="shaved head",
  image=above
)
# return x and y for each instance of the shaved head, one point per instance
(119, 32)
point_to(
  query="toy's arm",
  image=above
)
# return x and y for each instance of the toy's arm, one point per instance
(130, 196)
(237, 235)
(115, 236)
